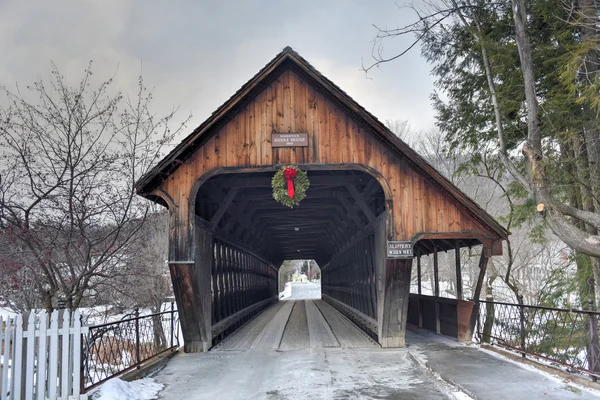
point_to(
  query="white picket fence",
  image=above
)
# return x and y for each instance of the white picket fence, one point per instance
(42, 358)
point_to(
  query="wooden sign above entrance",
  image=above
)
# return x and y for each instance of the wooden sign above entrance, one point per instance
(400, 249)
(289, 139)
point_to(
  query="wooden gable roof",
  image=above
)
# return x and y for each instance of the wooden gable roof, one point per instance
(289, 59)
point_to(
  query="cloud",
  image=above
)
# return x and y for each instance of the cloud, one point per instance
(197, 54)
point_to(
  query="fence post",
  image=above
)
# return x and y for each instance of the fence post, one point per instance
(522, 318)
(592, 349)
(478, 327)
(172, 324)
(137, 337)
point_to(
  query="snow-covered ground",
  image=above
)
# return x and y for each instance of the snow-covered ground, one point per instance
(287, 292)
(301, 290)
(116, 389)
(105, 314)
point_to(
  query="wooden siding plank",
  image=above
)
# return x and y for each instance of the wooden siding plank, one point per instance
(335, 133)
(312, 125)
(300, 118)
(324, 134)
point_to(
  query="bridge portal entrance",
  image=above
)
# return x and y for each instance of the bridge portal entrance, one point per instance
(299, 279)
(372, 208)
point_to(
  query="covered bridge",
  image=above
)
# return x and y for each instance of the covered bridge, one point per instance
(368, 191)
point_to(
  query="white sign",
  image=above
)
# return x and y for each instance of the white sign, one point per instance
(400, 249)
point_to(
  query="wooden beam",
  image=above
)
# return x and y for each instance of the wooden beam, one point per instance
(419, 276)
(234, 212)
(361, 203)
(459, 289)
(315, 180)
(357, 237)
(436, 276)
(447, 245)
(241, 206)
(224, 206)
(227, 237)
(483, 262)
(436, 279)
(351, 213)
(260, 196)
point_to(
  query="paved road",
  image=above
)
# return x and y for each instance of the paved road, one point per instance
(487, 376)
(336, 373)
(305, 290)
(305, 349)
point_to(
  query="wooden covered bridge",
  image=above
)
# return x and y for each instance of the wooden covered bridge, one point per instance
(370, 194)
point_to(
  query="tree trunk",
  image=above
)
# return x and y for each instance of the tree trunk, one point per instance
(489, 314)
(160, 340)
(588, 75)
(586, 284)
(580, 240)
(591, 132)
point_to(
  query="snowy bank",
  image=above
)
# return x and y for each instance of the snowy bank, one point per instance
(116, 389)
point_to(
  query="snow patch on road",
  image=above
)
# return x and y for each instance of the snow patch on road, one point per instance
(287, 292)
(461, 396)
(116, 389)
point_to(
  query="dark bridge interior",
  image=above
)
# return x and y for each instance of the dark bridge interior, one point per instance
(240, 208)
(252, 234)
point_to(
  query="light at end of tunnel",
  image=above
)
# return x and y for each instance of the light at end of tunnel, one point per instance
(296, 229)
(298, 250)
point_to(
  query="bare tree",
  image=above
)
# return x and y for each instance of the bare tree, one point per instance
(143, 281)
(531, 254)
(70, 158)
(400, 127)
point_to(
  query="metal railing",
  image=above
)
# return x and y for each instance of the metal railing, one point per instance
(114, 348)
(568, 337)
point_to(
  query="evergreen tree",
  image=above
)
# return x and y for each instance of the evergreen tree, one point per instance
(518, 80)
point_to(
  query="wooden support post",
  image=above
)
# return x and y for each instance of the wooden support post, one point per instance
(204, 266)
(483, 262)
(191, 268)
(436, 277)
(459, 289)
(395, 312)
(436, 291)
(419, 277)
(185, 288)
(380, 259)
(419, 271)
(393, 289)
(184, 277)
(468, 311)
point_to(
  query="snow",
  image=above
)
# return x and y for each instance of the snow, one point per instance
(461, 396)
(105, 314)
(287, 292)
(116, 389)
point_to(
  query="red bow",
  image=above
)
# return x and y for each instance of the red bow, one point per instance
(290, 174)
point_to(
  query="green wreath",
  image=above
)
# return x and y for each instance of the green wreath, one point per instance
(281, 186)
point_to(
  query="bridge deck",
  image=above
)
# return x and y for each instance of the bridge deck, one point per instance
(297, 324)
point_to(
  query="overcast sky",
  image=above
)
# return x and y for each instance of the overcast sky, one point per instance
(196, 54)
